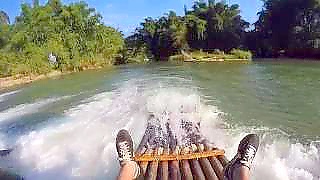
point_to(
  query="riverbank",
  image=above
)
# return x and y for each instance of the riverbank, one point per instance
(20, 79)
(195, 56)
(216, 56)
(16, 80)
(8, 82)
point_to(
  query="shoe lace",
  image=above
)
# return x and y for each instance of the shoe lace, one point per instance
(124, 151)
(249, 154)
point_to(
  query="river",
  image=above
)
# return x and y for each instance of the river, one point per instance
(65, 128)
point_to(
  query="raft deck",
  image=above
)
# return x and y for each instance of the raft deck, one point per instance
(160, 157)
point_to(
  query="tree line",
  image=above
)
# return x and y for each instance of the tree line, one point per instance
(73, 33)
(285, 28)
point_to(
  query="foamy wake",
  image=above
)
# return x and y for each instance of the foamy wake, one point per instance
(4, 96)
(24, 109)
(83, 146)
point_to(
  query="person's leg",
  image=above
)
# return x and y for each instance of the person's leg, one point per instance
(129, 168)
(241, 173)
(128, 171)
(239, 166)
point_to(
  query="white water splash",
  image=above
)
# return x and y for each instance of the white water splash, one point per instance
(278, 158)
(24, 109)
(4, 96)
(83, 146)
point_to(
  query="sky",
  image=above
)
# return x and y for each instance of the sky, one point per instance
(126, 15)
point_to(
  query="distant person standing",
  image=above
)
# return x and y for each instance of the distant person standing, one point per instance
(52, 59)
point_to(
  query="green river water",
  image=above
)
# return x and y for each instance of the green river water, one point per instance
(64, 128)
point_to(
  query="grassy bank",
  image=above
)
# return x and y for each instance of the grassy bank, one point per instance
(26, 78)
(7, 82)
(215, 56)
(17, 69)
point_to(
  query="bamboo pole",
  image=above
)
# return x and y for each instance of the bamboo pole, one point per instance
(185, 166)
(207, 169)
(195, 167)
(152, 171)
(206, 166)
(174, 170)
(215, 163)
(163, 171)
(147, 137)
(143, 144)
(162, 164)
(144, 165)
(217, 166)
(153, 167)
(224, 161)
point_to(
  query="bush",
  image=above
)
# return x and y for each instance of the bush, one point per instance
(216, 55)
(218, 51)
(36, 59)
(241, 54)
(178, 57)
(5, 69)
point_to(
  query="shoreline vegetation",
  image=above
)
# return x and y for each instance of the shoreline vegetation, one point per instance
(196, 56)
(216, 56)
(55, 38)
(20, 79)
(51, 39)
(10, 81)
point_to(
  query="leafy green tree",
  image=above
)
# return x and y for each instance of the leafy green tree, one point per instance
(74, 33)
(287, 26)
(208, 26)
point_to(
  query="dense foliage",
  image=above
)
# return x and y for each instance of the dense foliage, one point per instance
(217, 55)
(73, 33)
(207, 26)
(285, 27)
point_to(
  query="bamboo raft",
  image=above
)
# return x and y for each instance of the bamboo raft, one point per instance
(161, 158)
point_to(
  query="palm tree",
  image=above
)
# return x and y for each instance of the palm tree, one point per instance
(4, 18)
(199, 25)
(177, 31)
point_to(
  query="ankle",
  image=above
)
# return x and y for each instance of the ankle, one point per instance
(132, 165)
(241, 172)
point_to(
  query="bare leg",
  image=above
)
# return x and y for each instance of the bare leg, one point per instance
(238, 168)
(129, 168)
(128, 171)
(241, 173)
